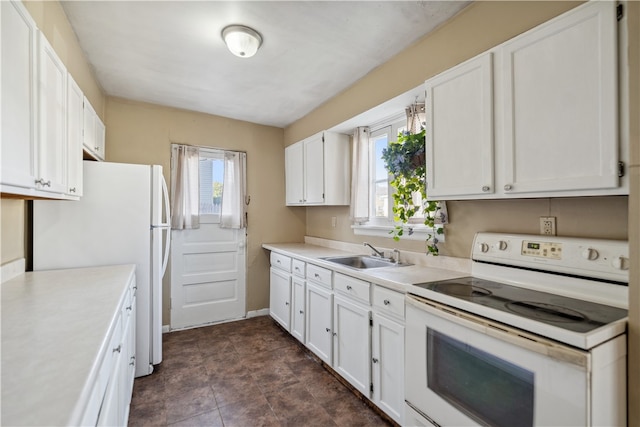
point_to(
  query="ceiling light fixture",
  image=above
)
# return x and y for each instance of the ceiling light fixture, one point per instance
(242, 41)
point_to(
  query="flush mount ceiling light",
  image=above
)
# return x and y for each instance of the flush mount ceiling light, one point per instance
(242, 41)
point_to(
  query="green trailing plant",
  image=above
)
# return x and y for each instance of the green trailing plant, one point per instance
(405, 161)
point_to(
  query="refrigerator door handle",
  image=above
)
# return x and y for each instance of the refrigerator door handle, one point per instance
(167, 243)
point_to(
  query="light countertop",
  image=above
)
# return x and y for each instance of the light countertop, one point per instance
(397, 278)
(55, 326)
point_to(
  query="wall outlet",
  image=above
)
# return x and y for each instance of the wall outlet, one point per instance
(548, 225)
(334, 221)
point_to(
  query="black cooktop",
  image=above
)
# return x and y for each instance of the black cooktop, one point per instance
(564, 312)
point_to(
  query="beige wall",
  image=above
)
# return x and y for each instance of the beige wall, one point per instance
(143, 133)
(52, 21)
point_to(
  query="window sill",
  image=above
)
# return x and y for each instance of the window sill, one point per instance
(419, 232)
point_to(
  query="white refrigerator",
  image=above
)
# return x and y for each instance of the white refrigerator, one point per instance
(120, 219)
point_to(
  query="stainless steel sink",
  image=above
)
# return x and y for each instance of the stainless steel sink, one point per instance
(362, 262)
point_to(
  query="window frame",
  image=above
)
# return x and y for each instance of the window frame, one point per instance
(212, 154)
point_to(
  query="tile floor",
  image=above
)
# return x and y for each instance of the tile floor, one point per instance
(245, 373)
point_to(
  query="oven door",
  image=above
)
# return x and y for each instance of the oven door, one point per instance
(464, 370)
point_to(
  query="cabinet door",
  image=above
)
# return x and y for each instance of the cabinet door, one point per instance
(52, 143)
(352, 343)
(560, 97)
(388, 366)
(100, 138)
(75, 101)
(89, 128)
(459, 136)
(294, 173)
(314, 170)
(280, 297)
(298, 308)
(319, 322)
(18, 95)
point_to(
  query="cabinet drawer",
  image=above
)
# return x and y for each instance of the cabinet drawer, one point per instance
(298, 267)
(388, 301)
(355, 288)
(319, 275)
(281, 261)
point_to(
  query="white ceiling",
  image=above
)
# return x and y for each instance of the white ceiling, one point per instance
(171, 53)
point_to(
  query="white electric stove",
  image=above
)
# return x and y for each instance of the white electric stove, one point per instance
(535, 334)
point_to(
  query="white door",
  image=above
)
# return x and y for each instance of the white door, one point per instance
(319, 322)
(280, 297)
(208, 264)
(297, 307)
(387, 348)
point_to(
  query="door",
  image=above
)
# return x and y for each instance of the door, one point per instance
(208, 264)
(75, 101)
(280, 297)
(387, 357)
(294, 173)
(319, 319)
(298, 307)
(314, 169)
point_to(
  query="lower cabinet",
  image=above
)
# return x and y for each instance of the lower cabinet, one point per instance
(112, 389)
(352, 343)
(387, 357)
(280, 297)
(298, 289)
(319, 328)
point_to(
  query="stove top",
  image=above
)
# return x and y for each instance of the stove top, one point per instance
(563, 312)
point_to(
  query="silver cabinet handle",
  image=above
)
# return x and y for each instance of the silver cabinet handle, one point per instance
(486, 188)
(508, 187)
(301, 312)
(328, 330)
(72, 190)
(386, 302)
(97, 148)
(316, 275)
(374, 360)
(335, 334)
(128, 308)
(44, 183)
(286, 303)
(349, 287)
(118, 349)
(278, 261)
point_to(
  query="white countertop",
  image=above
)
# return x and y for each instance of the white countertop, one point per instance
(397, 278)
(55, 325)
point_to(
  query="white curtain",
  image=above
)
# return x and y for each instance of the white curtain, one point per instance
(233, 191)
(185, 188)
(360, 176)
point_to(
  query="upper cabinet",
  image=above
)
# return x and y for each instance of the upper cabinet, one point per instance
(317, 171)
(93, 140)
(42, 112)
(535, 117)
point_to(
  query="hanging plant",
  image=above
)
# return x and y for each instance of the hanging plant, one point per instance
(405, 161)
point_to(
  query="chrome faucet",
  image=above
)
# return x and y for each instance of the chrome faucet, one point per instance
(380, 254)
(396, 255)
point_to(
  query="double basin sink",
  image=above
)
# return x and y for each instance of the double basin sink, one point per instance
(363, 262)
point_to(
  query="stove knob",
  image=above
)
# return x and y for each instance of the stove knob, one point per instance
(590, 254)
(620, 263)
(483, 247)
(501, 245)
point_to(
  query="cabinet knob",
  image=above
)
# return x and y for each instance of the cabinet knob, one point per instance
(374, 360)
(286, 303)
(118, 349)
(316, 275)
(128, 308)
(335, 334)
(349, 287)
(44, 183)
(508, 187)
(486, 188)
(72, 190)
(386, 302)
(97, 148)
(301, 312)
(327, 329)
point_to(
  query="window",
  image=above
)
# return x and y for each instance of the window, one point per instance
(211, 173)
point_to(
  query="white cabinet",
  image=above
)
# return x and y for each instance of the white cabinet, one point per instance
(387, 352)
(319, 321)
(280, 297)
(317, 170)
(352, 343)
(52, 118)
(540, 115)
(18, 96)
(94, 132)
(298, 297)
(75, 102)
(460, 158)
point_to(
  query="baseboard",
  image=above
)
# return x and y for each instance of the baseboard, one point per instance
(256, 313)
(11, 269)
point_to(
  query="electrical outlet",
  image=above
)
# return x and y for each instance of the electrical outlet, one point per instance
(334, 221)
(548, 225)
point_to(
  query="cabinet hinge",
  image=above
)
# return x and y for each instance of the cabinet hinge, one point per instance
(371, 387)
(619, 12)
(620, 169)
(370, 322)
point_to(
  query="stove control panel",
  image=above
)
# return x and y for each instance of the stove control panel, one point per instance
(594, 258)
(539, 249)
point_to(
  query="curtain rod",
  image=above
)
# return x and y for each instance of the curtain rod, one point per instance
(203, 147)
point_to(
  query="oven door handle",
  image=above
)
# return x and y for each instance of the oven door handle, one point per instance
(502, 332)
(427, 417)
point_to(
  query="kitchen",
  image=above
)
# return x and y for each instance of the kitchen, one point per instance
(133, 136)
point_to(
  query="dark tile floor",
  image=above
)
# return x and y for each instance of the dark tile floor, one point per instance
(244, 373)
